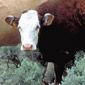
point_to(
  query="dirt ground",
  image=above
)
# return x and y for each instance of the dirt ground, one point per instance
(10, 36)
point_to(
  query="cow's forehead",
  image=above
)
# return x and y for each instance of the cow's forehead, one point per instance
(29, 17)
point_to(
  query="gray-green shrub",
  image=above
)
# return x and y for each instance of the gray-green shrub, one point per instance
(76, 74)
(29, 73)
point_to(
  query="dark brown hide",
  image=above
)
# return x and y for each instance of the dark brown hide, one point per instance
(66, 34)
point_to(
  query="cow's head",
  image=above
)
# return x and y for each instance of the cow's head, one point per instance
(29, 26)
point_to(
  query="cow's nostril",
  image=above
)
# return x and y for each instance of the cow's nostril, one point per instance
(27, 47)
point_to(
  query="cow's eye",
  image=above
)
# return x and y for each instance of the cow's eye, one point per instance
(19, 28)
(37, 27)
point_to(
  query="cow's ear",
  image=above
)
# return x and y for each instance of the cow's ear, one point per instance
(48, 19)
(12, 20)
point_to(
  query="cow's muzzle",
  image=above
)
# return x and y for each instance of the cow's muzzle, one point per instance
(27, 47)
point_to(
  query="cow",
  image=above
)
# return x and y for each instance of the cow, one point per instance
(56, 27)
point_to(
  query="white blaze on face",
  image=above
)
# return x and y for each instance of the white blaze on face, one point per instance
(29, 28)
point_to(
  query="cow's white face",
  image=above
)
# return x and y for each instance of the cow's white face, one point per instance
(29, 27)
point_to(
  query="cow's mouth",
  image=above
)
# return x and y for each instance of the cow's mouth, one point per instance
(28, 47)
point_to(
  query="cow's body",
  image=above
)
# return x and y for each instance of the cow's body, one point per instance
(65, 34)
(59, 41)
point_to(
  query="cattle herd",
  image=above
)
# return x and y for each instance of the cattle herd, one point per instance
(57, 28)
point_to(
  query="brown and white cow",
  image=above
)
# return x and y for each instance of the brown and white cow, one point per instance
(56, 27)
